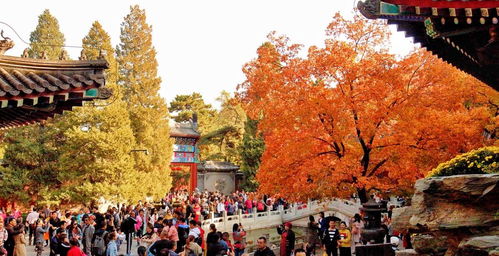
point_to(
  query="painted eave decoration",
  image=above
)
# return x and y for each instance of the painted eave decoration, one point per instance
(464, 33)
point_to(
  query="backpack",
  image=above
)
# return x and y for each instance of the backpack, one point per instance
(99, 246)
(183, 233)
(198, 240)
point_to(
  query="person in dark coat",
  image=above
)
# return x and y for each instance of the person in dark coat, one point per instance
(11, 232)
(287, 239)
(128, 227)
(331, 238)
(262, 248)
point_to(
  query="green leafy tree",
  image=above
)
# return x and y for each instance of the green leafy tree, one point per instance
(222, 138)
(30, 163)
(46, 37)
(184, 106)
(139, 78)
(251, 151)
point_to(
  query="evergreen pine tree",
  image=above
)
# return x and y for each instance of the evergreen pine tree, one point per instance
(98, 156)
(46, 37)
(251, 151)
(148, 111)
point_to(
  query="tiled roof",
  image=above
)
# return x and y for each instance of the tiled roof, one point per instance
(185, 129)
(32, 90)
(217, 166)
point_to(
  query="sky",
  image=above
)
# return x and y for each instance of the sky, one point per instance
(201, 45)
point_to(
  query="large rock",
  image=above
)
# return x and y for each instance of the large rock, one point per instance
(454, 216)
(408, 252)
(429, 244)
(401, 217)
(494, 253)
(454, 202)
(480, 245)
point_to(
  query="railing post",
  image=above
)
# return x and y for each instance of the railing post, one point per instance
(295, 209)
(239, 215)
(225, 219)
(255, 213)
(212, 217)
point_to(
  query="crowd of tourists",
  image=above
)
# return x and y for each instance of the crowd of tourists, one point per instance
(338, 237)
(169, 228)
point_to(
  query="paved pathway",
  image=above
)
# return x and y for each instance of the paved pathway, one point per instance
(30, 249)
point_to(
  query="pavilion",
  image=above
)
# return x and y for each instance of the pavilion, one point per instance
(33, 90)
(464, 33)
(185, 154)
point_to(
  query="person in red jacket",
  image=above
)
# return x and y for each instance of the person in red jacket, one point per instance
(75, 249)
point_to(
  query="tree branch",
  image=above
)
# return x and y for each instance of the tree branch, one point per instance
(377, 166)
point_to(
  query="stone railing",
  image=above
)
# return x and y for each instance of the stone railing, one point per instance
(343, 209)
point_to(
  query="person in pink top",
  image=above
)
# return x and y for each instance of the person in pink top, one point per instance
(197, 211)
(17, 213)
(170, 231)
(249, 205)
(138, 225)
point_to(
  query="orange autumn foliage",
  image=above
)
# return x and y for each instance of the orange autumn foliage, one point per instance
(351, 117)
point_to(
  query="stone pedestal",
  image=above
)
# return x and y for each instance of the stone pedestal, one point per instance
(374, 250)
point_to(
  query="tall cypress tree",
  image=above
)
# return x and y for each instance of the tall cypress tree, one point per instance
(98, 157)
(46, 37)
(148, 111)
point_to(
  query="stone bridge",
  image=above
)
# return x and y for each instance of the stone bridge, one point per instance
(343, 209)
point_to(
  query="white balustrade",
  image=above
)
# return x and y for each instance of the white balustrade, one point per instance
(343, 209)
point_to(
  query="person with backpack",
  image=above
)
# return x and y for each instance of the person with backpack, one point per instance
(192, 248)
(128, 227)
(183, 233)
(55, 242)
(112, 247)
(88, 234)
(99, 240)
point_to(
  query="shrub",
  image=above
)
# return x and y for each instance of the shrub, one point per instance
(480, 161)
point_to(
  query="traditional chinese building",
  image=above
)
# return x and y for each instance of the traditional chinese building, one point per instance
(185, 155)
(219, 176)
(464, 33)
(33, 90)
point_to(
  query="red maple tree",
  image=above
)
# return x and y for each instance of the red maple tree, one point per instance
(351, 117)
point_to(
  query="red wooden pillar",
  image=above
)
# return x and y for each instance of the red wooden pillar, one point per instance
(194, 177)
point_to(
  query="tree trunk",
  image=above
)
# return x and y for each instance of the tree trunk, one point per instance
(362, 193)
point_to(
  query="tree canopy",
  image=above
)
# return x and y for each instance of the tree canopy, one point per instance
(89, 153)
(148, 112)
(47, 38)
(350, 117)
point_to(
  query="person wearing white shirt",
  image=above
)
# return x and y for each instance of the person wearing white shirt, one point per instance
(31, 222)
(220, 208)
(193, 229)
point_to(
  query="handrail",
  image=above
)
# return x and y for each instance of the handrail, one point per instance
(344, 208)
